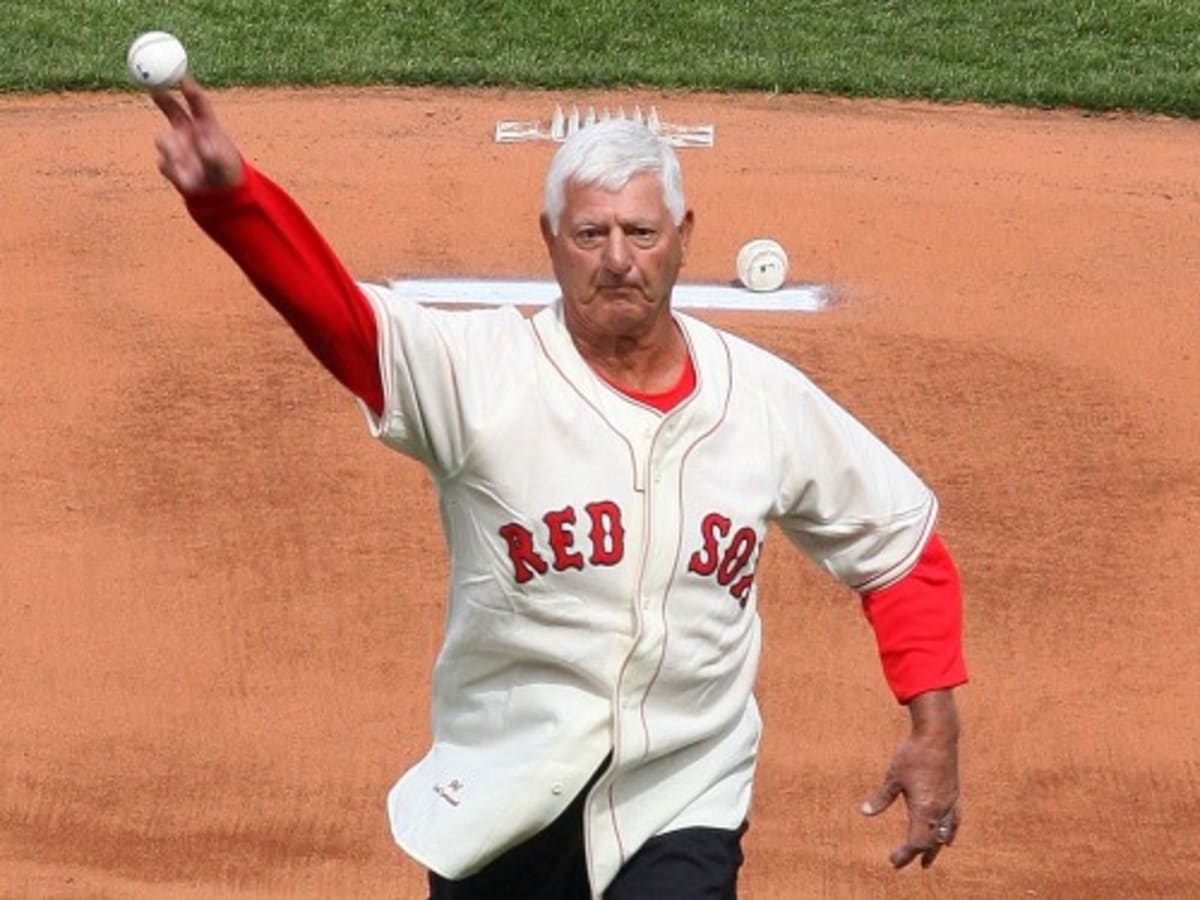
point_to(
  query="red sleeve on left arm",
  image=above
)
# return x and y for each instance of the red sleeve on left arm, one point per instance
(918, 625)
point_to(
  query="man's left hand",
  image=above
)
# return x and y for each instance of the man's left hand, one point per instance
(924, 770)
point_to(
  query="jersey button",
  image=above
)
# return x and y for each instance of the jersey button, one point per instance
(556, 788)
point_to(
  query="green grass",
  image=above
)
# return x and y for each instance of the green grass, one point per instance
(1131, 54)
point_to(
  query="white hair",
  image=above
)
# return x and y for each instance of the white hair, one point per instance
(608, 154)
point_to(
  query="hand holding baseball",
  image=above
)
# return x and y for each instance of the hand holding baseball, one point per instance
(196, 154)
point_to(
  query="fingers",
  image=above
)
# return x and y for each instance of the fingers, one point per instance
(881, 799)
(924, 772)
(927, 835)
(195, 154)
(179, 162)
(177, 157)
(927, 839)
(198, 102)
(904, 854)
(947, 828)
(172, 109)
(930, 855)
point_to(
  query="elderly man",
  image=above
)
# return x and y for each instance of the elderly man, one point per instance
(607, 469)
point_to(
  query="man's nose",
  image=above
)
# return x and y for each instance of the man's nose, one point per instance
(617, 257)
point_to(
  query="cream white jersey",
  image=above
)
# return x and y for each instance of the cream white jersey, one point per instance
(602, 597)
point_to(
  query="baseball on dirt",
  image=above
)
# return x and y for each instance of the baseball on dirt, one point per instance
(762, 265)
(157, 60)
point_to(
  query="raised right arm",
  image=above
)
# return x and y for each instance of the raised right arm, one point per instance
(271, 239)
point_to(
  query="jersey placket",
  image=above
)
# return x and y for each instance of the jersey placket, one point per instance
(657, 470)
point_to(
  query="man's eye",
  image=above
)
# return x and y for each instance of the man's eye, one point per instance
(589, 237)
(644, 237)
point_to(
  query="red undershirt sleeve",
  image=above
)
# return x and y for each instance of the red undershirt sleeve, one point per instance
(290, 264)
(918, 625)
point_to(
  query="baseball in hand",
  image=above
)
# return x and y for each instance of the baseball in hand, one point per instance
(157, 60)
(762, 265)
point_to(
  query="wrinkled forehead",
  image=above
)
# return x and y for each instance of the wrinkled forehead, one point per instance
(641, 194)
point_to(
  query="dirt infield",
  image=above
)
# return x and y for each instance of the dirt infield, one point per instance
(220, 600)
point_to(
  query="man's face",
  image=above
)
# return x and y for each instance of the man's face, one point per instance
(616, 256)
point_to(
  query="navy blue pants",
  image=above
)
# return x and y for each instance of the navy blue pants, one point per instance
(688, 864)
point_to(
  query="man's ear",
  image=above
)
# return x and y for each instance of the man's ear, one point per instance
(547, 232)
(685, 233)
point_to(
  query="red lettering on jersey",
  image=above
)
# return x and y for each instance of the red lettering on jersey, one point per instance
(562, 539)
(607, 535)
(524, 558)
(731, 562)
(736, 555)
(704, 561)
(741, 588)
